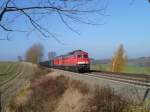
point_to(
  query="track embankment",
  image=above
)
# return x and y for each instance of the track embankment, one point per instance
(135, 89)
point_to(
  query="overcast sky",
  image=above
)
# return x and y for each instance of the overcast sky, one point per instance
(127, 24)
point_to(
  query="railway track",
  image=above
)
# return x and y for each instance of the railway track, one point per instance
(135, 79)
(140, 81)
(128, 78)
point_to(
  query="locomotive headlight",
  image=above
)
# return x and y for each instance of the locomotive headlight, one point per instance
(82, 62)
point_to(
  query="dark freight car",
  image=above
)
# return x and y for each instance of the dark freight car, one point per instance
(48, 63)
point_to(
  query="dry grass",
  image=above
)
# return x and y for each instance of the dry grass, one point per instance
(71, 101)
(61, 94)
(80, 86)
(40, 71)
(104, 100)
(45, 93)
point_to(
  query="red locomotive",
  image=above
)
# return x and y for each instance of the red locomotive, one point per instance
(77, 60)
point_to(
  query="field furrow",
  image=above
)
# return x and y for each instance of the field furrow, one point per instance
(13, 76)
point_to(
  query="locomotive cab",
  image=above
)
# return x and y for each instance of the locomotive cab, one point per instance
(83, 62)
(77, 60)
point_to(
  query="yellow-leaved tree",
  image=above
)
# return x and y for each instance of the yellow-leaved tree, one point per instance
(119, 60)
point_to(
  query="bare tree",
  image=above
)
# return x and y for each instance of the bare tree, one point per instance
(33, 11)
(118, 60)
(35, 53)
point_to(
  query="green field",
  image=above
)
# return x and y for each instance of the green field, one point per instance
(128, 68)
(13, 75)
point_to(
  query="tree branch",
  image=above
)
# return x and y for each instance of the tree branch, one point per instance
(4, 10)
(40, 28)
(42, 7)
(63, 20)
(6, 29)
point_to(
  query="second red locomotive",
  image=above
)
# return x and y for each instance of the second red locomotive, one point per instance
(77, 60)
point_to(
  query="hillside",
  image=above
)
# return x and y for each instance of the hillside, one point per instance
(61, 91)
(142, 61)
(13, 75)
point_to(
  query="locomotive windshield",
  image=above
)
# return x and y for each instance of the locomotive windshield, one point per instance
(79, 56)
(85, 56)
(82, 56)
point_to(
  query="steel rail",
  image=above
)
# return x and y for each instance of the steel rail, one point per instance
(141, 79)
(119, 79)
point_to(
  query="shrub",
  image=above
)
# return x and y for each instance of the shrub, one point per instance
(104, 100)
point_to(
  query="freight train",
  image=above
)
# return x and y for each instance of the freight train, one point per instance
(77, 61)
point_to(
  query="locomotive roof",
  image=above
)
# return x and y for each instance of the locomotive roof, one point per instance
(75, 51)
(70, 53)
